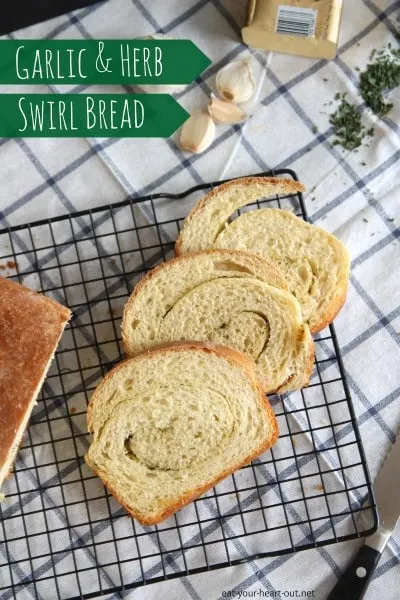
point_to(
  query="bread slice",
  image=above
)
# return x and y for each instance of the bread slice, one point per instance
(237, 299)
(30, 328)
(170, 423)
(315, 263)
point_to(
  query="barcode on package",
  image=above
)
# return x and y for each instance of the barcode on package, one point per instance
(292, 20)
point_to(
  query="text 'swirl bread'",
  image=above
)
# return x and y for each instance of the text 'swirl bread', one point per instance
(30, 328)
(237, 299)
(315, 263)
(170, 423)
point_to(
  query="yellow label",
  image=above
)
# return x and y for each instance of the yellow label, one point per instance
(303, 27)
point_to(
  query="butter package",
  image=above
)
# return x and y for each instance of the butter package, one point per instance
(302, 27)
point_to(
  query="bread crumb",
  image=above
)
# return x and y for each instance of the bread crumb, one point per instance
(72, 410)
(10, 264)
(319, 487)
(257, 127)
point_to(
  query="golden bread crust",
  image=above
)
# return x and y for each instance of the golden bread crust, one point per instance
(30, 328)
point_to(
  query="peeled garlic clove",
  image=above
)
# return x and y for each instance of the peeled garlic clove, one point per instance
(163, 88)
(198, 132)
(235, 82)
(222, 111)
(156, 36)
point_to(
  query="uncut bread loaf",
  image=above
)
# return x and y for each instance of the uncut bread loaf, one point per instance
(30, 328)
(234, 298)
(170, 423)
(314, 262)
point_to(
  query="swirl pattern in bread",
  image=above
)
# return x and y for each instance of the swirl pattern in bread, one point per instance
(315, 263)
(170, 423)
(233, 298)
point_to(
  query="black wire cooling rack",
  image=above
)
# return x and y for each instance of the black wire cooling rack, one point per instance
(64, 536)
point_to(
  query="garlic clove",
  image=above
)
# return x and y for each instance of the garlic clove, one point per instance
(198, 132)
(162, 88)
(222, 111)
(235, 82)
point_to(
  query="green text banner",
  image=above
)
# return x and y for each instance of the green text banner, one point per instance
(100, 62)
(89, 115)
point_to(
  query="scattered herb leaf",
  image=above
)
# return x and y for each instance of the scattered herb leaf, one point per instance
(363, 164)
(347, 125)
(365, 220)
(314, 129)
(379, 77)
(391, 219)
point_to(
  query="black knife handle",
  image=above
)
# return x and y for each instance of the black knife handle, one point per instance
(354, 582)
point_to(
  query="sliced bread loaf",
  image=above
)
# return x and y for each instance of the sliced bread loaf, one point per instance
(233, 298)
(170, 423)
(315, 263)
